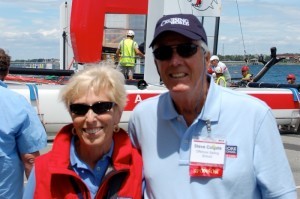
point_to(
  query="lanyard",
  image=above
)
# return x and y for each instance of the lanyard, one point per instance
(208, 127)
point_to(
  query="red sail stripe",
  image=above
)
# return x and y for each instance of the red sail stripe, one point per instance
(87, 24)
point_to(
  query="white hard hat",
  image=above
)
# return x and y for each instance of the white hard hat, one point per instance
(222, 65)
(214, 57)
(130, 33)
(218, 69)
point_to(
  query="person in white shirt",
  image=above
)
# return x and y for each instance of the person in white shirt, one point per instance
(194, 139)
(214, 62)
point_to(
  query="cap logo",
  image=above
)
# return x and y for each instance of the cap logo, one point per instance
(187, 25)
(176, 21)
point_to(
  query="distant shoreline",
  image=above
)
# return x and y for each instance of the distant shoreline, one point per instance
(231, 63)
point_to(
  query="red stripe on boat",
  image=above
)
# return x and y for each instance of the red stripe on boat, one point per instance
(273, 100)
(278, 100)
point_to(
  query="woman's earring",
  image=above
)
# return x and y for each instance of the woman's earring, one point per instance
(116, 128)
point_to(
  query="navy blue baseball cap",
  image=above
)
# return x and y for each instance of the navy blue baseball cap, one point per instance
(187, 25)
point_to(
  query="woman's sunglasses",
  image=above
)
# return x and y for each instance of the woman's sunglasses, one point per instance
(166, 52)
(98, 108)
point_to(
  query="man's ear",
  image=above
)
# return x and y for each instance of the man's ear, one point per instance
(207, 60)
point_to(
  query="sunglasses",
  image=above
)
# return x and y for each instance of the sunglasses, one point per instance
(166, 52)
(98, 108)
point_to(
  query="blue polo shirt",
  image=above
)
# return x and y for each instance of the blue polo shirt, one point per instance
(91, 177)
(21, 131)
(259, 169)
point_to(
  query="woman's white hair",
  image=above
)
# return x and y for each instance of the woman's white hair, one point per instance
(102, 78)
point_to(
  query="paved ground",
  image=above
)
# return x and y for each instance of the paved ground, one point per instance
(291, 144)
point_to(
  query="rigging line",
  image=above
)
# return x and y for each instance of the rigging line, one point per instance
(179, 6)
(237, 5)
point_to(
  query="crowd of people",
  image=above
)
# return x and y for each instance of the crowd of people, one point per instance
(188, 142)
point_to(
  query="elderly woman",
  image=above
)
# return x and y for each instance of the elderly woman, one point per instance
(92, 157)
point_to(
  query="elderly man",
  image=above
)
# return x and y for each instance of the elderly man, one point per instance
(193, 141)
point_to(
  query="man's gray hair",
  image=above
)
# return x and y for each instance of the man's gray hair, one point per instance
(204, 46)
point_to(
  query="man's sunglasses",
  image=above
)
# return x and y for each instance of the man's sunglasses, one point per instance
(166, 52)
(98, 108)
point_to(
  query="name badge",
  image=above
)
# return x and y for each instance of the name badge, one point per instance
(207, 157)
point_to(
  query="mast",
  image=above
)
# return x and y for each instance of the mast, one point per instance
(216, 38)
(66, 52)
(64, 35)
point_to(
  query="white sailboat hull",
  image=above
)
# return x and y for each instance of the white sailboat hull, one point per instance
(55, 115)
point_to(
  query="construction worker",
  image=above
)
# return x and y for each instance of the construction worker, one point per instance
(291, 78)
(126, 53)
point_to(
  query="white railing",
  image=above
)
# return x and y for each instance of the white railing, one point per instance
(110, 58)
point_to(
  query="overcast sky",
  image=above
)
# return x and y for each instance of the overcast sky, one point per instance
(30, 28)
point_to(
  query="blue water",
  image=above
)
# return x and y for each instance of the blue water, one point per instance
(276, 74)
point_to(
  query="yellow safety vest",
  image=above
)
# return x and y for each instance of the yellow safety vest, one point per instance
(223, 79)
(127, 52)
(248, 77)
